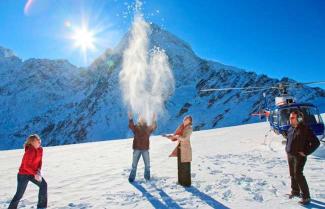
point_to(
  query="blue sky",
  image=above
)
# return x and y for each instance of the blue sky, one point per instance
(275, 37)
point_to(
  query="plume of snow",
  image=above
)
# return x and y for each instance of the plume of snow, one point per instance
(146, 79)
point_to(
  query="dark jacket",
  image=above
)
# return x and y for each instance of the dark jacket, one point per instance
(301, 139)
(141, 134)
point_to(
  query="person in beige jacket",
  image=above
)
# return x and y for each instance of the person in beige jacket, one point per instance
(183, 150)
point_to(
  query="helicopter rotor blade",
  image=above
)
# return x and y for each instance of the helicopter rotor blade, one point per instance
(226, 89)
(279, 86)
(288, 84)
(314, 82)
(246, 92)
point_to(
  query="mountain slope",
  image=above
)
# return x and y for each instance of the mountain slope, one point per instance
(66, 104)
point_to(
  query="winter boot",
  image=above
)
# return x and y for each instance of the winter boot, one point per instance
(304, 201)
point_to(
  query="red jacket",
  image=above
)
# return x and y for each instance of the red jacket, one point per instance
(32, 161)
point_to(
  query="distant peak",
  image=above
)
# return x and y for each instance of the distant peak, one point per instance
(158, 32)
(4, 52)
(159, 37)
(154, 26)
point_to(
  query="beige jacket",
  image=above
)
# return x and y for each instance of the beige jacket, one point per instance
(186, 149)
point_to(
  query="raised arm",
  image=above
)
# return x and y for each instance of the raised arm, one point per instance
(154, 123)
(131, 123)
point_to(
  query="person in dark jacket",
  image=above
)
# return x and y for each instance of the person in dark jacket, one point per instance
(30, 170)
(301, 141)
(142, 132)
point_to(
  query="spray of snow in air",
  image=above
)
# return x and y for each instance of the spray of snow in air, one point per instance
(146, 79)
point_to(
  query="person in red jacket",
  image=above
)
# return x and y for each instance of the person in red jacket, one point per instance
(30, 170)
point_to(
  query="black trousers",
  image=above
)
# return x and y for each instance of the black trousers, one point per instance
(184, 170)
(298, 180)
(22, 182)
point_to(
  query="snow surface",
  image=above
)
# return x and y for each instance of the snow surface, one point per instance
(233, 167)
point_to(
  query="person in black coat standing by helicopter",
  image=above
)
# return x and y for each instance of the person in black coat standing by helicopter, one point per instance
(301, 141)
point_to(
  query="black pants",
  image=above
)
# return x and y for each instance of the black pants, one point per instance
(298, 180)
(22, 181)
(184, 170)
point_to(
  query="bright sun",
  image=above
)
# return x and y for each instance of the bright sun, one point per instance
(84, 38)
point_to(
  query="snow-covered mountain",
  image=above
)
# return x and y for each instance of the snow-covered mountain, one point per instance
(66, 104)
(232, 167)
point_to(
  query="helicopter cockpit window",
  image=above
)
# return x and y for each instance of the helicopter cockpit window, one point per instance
(284, 117)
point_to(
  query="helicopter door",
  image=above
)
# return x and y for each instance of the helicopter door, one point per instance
(275, 118)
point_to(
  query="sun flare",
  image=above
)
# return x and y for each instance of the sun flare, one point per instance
(84, 38)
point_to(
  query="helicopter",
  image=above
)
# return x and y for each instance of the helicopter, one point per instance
(278, 116)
